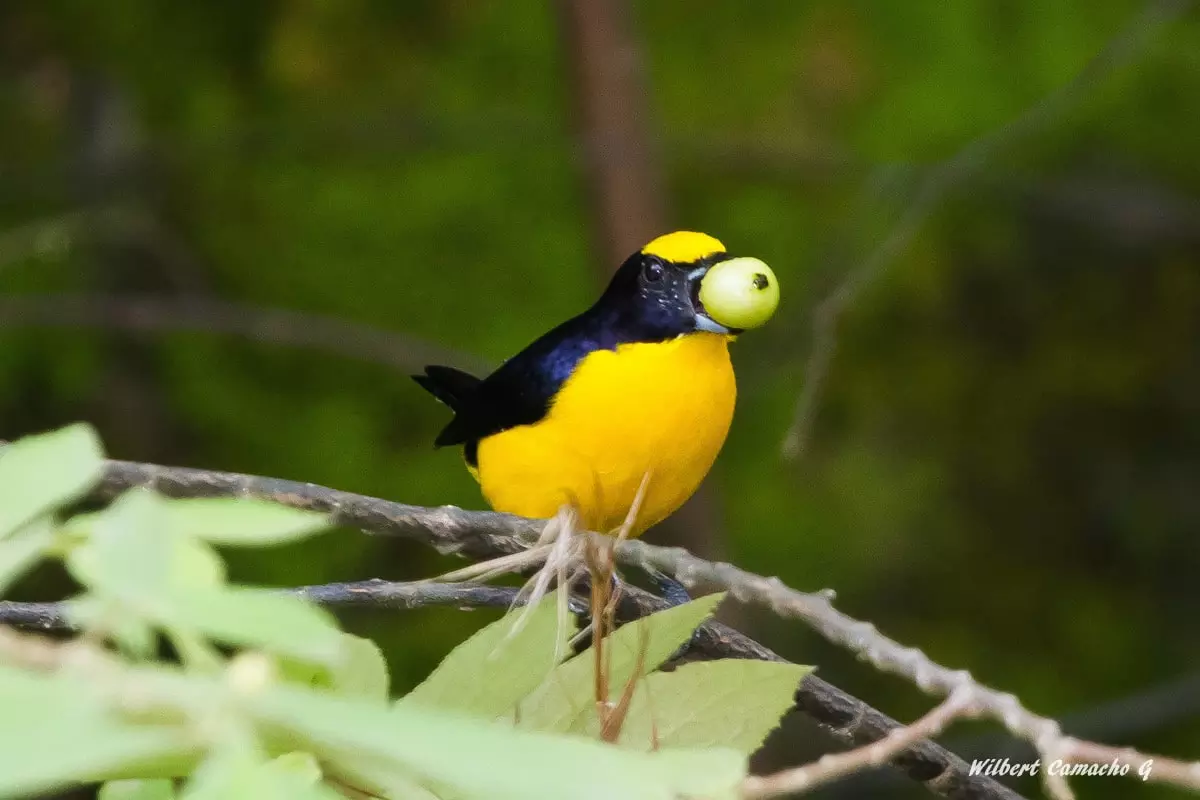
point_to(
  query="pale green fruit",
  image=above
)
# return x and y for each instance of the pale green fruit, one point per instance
(740, 293)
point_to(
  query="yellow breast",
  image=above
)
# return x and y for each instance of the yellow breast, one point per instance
(659, 409)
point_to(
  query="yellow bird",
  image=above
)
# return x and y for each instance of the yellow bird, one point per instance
(637, 387)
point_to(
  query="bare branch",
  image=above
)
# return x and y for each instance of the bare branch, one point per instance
(357, 594)
(1134, 715)
(863, 639)
(846, 718)
(943, 179)
(485, 534)
(1161, 770)
(831, 767)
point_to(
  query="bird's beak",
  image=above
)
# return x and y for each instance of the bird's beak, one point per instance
(703, 321)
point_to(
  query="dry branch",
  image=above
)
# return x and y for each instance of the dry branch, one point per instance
(836, 765)
(485, 534)
(846, 718)
(355, 594)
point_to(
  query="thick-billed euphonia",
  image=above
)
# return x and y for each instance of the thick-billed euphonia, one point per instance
(638, 385)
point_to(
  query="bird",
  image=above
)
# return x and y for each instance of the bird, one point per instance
(623, 406)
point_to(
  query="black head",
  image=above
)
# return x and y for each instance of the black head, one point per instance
(657, 289)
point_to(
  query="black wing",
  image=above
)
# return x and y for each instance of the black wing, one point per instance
(521, 390)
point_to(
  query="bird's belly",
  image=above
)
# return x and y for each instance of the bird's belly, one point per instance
(660, 410)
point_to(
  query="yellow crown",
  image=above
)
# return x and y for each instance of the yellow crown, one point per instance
(683, 247)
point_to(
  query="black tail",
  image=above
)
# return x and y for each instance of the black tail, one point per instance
(457, 389)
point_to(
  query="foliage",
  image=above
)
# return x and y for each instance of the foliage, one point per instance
(270, 699)
(1009, 431)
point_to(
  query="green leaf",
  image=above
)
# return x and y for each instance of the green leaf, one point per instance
(21, 551)
(292, 776)
(303, 766)
(363, 672)
(478, 759)
(488, 673)
(127, 555)
(158, 789)
(136, 637)
(165, 577)
(231, 768)
(239, 771)
(196, 653)
(243, 521)
(194, 564)
(565, 700)
(729, 703)
(715, 772)
(368, 776)
(41, 473)
(261, 619)
(129, 550)
(55, 731)
(36, 694)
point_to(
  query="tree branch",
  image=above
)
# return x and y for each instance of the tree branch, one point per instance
(153, 314)
(846, 718)
(836, 765)
(865, 640)
(485, 534)
(357, 594)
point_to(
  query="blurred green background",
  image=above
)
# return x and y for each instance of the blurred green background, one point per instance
(1005, 461)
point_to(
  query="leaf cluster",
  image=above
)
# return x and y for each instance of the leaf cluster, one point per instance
(260, 694)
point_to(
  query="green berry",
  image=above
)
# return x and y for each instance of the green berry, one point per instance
(740, 293)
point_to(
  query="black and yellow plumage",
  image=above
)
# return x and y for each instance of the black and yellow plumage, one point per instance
(638, 385)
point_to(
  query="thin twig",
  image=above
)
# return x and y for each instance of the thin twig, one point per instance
(1161, 770)
(376, 594)
(836, 765)
(1133, 715)
(888, 655)
(943, 179)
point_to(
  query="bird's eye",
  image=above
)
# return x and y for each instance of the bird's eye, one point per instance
(653, 270)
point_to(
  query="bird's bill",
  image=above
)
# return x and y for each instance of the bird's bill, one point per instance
(704, 322)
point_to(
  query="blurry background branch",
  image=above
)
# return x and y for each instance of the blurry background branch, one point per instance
(625, 183)
(943, 180)
(159, 314)
(622, 170)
